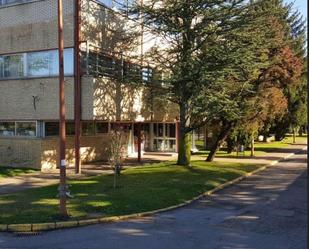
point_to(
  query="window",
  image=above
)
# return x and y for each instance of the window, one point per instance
(68, 61)
(146, 74)
(107, 3)
(9, 2)
(7, 128)
(26, 129)
(39, 63)
(51, 129)
(13, 66)
(87, 128)
(1, 67)
(36, 64)
(101, 128)
(170, 130)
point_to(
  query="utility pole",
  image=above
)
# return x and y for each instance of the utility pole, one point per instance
(63, 186)
(77, 87)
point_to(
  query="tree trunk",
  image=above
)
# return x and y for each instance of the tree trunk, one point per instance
(225, 131)
(184, 153)
(184, 149)
(294, 135)
(252, 145)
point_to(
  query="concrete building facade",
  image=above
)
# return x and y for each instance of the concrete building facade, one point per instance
(113, 79)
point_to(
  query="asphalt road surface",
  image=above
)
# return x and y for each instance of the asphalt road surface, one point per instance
(265, 211)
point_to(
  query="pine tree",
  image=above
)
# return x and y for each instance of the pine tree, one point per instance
(200, 53)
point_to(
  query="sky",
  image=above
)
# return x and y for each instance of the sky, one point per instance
(301, 5)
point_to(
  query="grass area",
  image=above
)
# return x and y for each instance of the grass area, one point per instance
(261, 148)
(140, 189)
(10, 172)
(277, 145)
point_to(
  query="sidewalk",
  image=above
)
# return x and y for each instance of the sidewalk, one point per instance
(39, 179)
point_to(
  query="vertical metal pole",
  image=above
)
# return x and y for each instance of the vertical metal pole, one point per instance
(139, 143)
(142, 36)
(77, 88)
(62, 187)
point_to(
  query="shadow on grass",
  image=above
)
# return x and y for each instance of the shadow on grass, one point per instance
(141, 189)
(11, 171)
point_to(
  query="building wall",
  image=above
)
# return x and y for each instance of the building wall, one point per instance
(93, 148)
(105, 99)
(17, 101)
(18, 152)
(33, 26)
(43, 153)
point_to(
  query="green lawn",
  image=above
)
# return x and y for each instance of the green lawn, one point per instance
(10, 172)
(260, 147)
(140, 189)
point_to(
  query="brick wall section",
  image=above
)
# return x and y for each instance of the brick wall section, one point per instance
(92, 149)
(33, 26)
(16, 99)
(15, 152)
(43, 153)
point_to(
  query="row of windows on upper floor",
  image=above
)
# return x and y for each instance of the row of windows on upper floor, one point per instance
(35, 64)
(115, 4)
(46, 64)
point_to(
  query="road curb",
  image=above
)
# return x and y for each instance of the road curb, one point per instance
(37, 227)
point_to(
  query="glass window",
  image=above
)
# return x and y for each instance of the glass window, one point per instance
(160, 130)
(1, 67)
(54, 65)
(26, 129)
(44, 63)
(70, 128)
(38, 63)
(51, 129)
(87, 128)
(170, 130)
(107, 3)
(101, 127)
(13, 66)
(68, 61)
(9, 2)
(7, 128)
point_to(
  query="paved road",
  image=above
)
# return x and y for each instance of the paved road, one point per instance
(266, 211)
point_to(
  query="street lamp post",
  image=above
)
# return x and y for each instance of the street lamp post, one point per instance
(63, 186)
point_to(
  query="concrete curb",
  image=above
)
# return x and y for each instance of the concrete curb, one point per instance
(37, 227)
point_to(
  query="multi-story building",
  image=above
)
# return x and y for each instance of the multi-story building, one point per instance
(106, 81)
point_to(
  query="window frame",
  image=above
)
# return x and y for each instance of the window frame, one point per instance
(68, 59)
(15, 129)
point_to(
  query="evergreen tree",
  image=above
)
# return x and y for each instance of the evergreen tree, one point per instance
(202, 47)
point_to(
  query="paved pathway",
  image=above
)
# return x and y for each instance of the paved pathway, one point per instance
(265, 211)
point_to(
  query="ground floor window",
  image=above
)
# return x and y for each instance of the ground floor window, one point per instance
(7, 128)
(88, 128)
(164, 137)
(18, 128)
(26, 129)
(101, 127)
